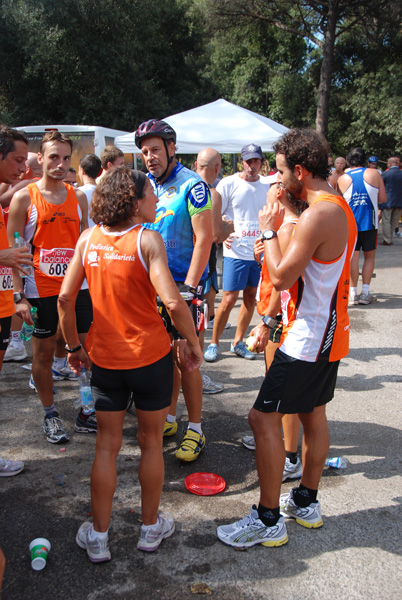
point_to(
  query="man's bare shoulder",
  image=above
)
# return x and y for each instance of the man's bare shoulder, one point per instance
(21, 197)
(344, 182)
(322, 213)
(373, 177)
(80, 195)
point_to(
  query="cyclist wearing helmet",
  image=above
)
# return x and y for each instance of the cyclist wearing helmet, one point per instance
(183, 219)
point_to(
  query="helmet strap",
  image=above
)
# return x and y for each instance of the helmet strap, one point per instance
(169, 161)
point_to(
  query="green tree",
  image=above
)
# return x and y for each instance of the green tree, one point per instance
(263, 69)
(322, 23)
(114, 62)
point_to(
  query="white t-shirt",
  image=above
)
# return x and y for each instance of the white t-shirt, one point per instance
(88, 190)
(241, 202)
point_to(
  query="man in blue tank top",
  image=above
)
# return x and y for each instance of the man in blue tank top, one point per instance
(363, 189)
(183, 219)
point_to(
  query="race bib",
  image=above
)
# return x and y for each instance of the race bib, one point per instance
(54, 262)
(6, 279)
(247, 232)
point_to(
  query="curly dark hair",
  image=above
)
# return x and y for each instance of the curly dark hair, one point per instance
(115, 198)
(307, 148)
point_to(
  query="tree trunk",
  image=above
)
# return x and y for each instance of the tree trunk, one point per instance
(324, 88)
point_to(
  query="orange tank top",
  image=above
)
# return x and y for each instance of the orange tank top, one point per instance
(127, 332)
(57, 229)
(6, 276)
(265, 288)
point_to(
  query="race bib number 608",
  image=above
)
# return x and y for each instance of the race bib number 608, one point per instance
(54, 262)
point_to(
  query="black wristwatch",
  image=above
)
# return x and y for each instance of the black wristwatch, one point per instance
(72, 350)
(269, 234)
(269, 322)
(18, 296)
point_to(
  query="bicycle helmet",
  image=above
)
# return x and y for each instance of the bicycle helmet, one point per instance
(155, 128)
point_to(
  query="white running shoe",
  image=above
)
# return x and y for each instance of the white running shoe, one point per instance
(63, 372)
(211, 387)
(250, 531)
(97, 550)
(309, 517)
(9, 468)
(152, 536)
(292, 471)
(13, 353)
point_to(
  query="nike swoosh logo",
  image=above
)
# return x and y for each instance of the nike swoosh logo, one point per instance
(268, 401)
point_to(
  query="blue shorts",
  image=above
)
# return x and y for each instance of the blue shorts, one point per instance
(211, 281)
(239, 274)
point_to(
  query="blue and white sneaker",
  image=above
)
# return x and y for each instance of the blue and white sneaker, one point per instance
(241, 350)
(63, 372)
(33, 386)
(211, 353)
(250, 531)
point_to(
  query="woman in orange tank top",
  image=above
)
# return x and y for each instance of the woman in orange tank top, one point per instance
(128, 345)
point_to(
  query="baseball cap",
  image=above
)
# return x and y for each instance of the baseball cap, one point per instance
(373, 159)
(251, 151)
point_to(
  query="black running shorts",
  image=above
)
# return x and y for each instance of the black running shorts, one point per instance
(296, 386)
(150, 386)
(367, 240)
(5, 327)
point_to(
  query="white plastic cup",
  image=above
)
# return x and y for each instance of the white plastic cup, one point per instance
(39, 549)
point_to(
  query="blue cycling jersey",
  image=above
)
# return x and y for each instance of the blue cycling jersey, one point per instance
(181, 196)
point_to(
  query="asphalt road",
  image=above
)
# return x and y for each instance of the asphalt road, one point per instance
(356, 555)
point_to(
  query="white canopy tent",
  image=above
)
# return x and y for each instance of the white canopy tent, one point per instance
(221, 125)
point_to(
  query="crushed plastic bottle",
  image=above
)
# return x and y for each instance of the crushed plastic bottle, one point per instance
(338, 462)
(27, 330)
(19, 242)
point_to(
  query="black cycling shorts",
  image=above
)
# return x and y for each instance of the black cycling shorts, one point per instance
(48, 316)
(151, 386)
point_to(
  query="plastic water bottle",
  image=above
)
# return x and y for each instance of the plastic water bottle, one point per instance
(338, 462)
(27, 330)
(86, 399)
(19, 242)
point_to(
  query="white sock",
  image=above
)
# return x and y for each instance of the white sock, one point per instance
(58, 363)
(171, 418)
(353, 291)
(365, 289)
(153, 524)
(101, 535)
(16, 340)
(195, 427)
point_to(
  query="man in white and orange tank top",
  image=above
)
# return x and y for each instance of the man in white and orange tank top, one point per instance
(313, 275)
(50, 215)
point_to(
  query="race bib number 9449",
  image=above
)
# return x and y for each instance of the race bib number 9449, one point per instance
(54, 262)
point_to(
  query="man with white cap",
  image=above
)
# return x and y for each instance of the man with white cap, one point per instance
(243, 196)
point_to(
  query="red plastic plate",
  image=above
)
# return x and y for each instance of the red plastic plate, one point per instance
(204, 484)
